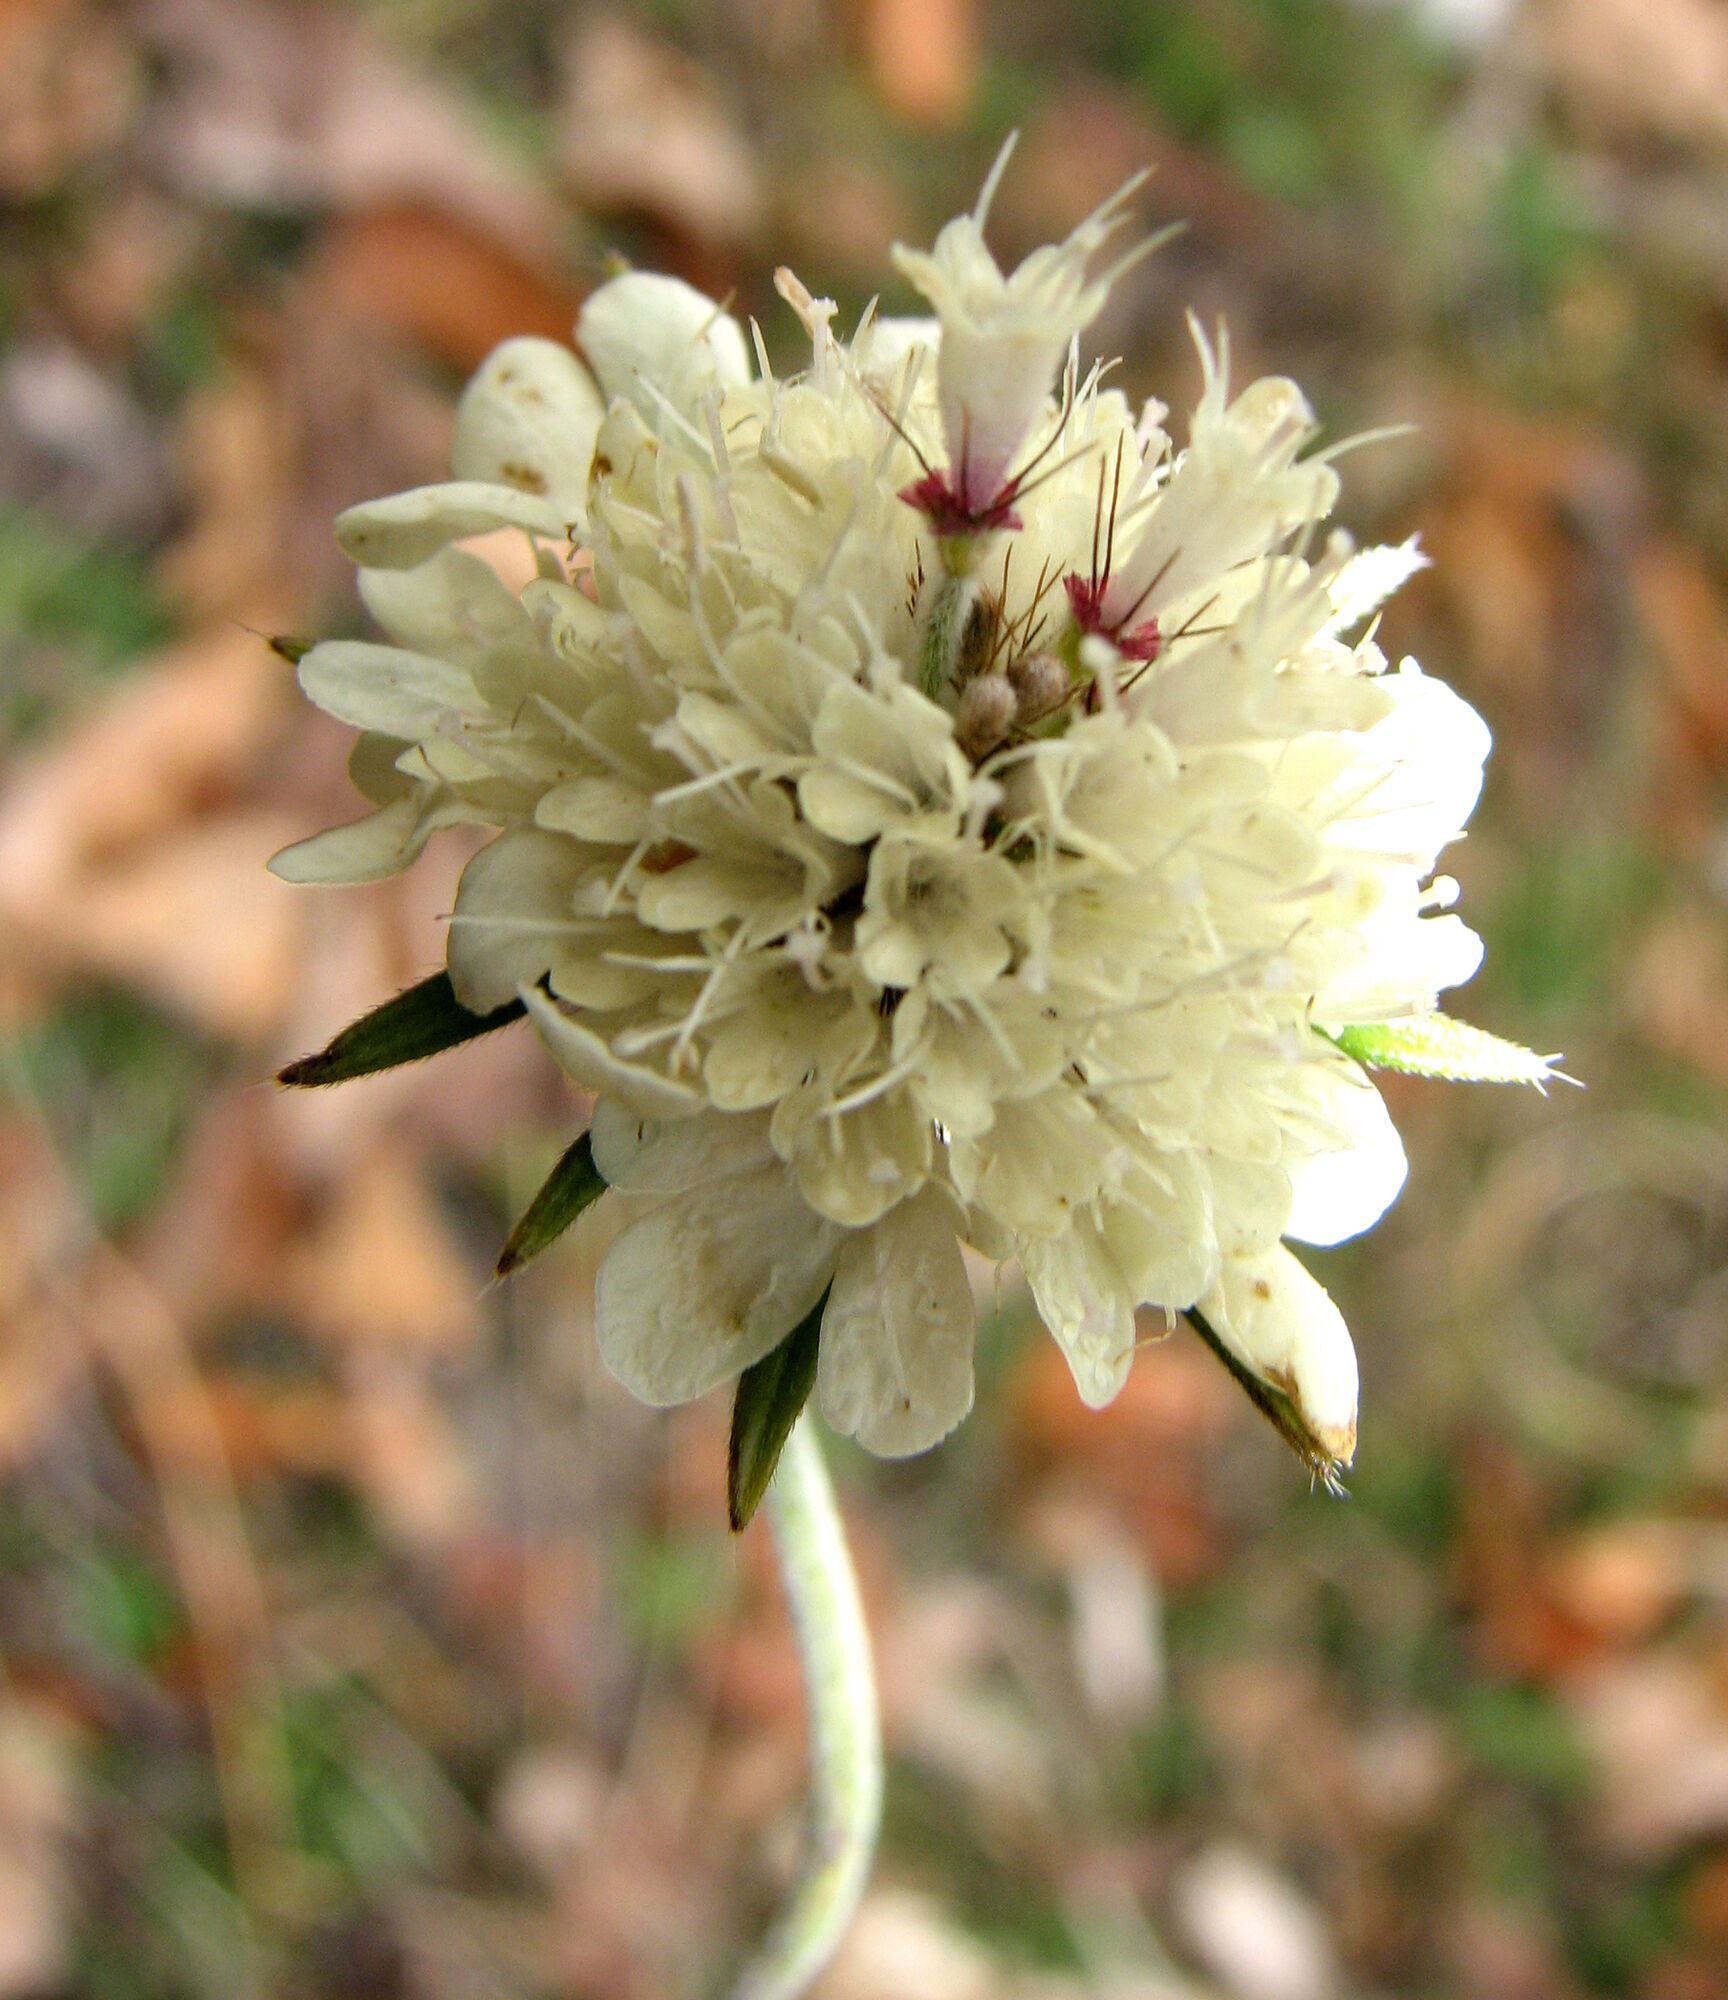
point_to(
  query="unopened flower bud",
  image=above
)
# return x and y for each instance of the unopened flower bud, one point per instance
(1040, 683)
(985, 715)
(1281, 1323)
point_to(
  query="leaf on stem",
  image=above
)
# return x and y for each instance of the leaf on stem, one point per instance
(573, 1185)
(771, 1393)
(425, 1020)
(1436, 1045)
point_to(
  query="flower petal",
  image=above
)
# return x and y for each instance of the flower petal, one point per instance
(528, 420)
(408, 695)
(895, 1363)
(514, 917)
(1339, 1193)
(707, 1284)
(653, 341)
(453, 604)
(640, 1155)
(584, 1055)
(1427, 754)
(1084, 1300)
(403, 531)
(365, 850)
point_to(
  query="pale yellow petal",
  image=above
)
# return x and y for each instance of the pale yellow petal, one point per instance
(709, 1283)
(895, 1364)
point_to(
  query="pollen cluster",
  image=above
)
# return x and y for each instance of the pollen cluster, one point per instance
(931, 807)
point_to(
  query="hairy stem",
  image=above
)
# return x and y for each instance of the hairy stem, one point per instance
(845, 1729)
(948, 600)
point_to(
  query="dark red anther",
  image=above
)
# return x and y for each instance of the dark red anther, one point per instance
(1141, 642)
(949, 513)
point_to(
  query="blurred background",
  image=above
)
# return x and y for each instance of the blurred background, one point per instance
(359, 1637)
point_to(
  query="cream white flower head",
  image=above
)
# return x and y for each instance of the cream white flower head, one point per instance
(911, 853)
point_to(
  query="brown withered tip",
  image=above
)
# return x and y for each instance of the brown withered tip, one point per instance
(301, 1073)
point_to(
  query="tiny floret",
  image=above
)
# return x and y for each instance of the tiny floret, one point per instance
(927, 807)
(1002, 339)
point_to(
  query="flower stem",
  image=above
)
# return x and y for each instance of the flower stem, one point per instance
(943, 617)
(845, 1728)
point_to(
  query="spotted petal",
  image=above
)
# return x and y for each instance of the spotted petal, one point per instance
(702, 1287)
(895, 1368)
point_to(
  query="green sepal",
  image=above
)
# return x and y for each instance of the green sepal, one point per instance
(1277, 1408)
(573, 1185)
(1436, 1045)
(291, 650)
(425, 1020)
(771, 1393)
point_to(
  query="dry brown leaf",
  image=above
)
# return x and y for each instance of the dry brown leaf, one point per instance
(1146, 1454)
(1706, 1900)
(1686, 615)
(1684, 1976)
(407, 1460)
(113, 858)
(194, 920)
(1530, 525)
(1520, 1628)
(68, 88)
(1624, 1581)
(120, 271)
(1657, 1725)
(922, 56)
(1498, 525)
(844, 215)
(309, 413)
(423, 275)
(237, 454)
(1677, 988)
(215, 1241)
(644, 132)
(181, 733)
(1267, 245)
(39, 1370)
(39, 1238)
(1499, 1951)
(1640, 69)
(284, 106)
(247, 1428)
(39, 1811)
(380, 1267)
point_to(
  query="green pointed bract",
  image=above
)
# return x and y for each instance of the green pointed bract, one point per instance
(573, 1185)
(425, 1020)
(291, 650)
(770, 1396)
(1436, 1045)
(1277, 1408)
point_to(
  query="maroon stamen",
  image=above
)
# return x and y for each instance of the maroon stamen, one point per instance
(949, 512)
(1141, 642)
